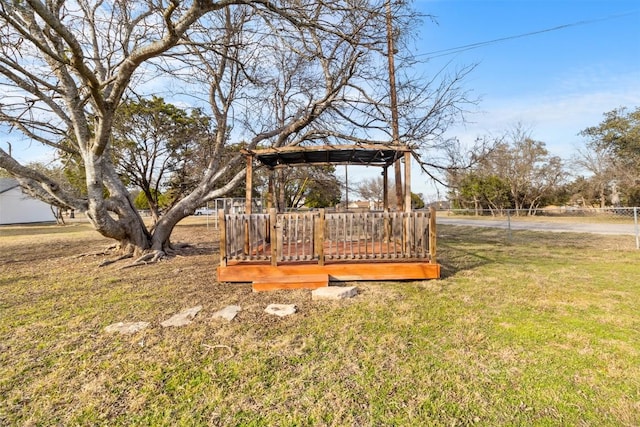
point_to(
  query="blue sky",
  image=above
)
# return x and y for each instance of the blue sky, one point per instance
(555, 83)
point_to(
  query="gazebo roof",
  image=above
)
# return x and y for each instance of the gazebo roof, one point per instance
(362, 154)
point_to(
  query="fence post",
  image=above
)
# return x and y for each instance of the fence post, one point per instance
(508, 225)
(635, 220)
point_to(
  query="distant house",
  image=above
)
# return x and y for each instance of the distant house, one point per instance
(16, 207)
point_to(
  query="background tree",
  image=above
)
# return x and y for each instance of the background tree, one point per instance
(599, 164)
(518, 172)
(417, 202)
(372, 189)
(154, 141)
(530, 171)
(482, 192)
(612, 154)
(312, 187)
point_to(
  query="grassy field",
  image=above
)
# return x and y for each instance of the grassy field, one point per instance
(544, 330)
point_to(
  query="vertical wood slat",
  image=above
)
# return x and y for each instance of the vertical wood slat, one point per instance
(287, 231)
(432, 235)
(351, 235)
(301, 234)
(363, 218)
(223, 239)
(319, 236)
(273, 236)
(394, 237)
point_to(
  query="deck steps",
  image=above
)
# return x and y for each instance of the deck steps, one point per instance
(295, 281)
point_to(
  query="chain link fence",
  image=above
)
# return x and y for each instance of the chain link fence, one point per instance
(611, 221)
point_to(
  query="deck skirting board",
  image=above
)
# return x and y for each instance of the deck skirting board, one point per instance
(336, 272)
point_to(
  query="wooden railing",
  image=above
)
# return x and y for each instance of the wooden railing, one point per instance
(318, 237)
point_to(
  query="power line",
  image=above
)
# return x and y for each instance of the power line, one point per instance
(459, 49)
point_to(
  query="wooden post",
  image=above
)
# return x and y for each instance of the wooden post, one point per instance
(385, 191)
(346, 187)
(432, 235)
(270, 191)
(247, 202)
(273, 232)
(407, 181)
(398, 177)
(408, 236)
(318, 237)
(249, 186)
(223, 239)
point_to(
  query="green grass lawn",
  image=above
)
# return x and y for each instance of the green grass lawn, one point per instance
(544, 330)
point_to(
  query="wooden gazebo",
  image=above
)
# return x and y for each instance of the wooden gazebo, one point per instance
(277, 250)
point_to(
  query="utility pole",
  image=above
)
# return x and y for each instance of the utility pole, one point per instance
(394, 104)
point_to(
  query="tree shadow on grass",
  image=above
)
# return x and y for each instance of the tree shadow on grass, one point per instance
(463, 248)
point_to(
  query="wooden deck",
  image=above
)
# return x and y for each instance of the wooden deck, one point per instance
(307, 250)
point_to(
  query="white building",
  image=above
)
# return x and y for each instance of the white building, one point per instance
(17, 207)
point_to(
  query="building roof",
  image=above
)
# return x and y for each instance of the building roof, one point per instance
(363, 154)
(7, 184)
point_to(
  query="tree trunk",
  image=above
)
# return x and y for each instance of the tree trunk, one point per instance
(127, 227)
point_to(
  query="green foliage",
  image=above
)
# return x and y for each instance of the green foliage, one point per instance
(323, 193)
(619, 132)
(141, 201)
(519, 173)
(484, 192)
(416, 201)
(159, 146)
(313, 187)
(617, 137)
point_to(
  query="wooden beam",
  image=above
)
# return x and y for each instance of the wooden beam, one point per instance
(305, 281)
(407, 181)
(316, 148)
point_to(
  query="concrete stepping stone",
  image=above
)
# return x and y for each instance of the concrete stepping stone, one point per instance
(126, 328)
(281, 310)
(228, 313)
(183, 318)
(334, 293)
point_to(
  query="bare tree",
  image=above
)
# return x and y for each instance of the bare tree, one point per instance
(276, 75)
(599, 164)
(372, 189)
(67, 65)
(517, 164)
(527, 166)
